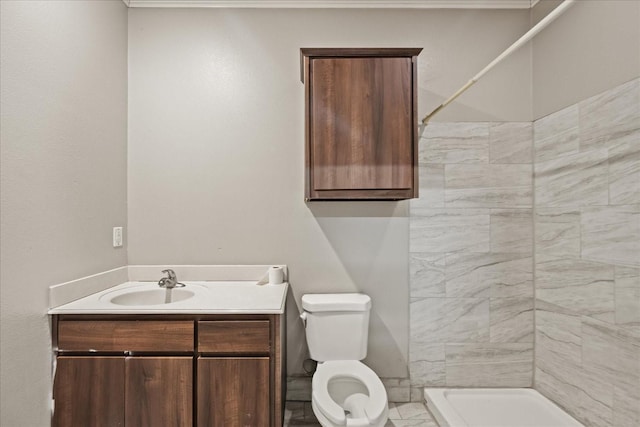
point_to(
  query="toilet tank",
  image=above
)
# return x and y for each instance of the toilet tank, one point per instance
(336, 325)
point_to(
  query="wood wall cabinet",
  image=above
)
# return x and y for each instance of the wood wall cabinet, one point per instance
(182, 370)
(361, 123)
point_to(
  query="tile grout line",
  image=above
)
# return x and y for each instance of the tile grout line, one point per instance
(534, 213)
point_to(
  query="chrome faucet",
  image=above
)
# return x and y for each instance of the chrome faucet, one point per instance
(171, 281)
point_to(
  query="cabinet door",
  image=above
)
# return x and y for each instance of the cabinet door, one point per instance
(233, 392)
(159, 391)
(89, 391)
(362, 130)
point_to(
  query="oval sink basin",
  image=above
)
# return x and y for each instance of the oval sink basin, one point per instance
(151, 297)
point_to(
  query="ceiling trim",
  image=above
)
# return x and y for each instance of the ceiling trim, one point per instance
(337, 4)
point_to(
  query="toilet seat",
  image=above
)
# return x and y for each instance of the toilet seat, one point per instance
(325, 372)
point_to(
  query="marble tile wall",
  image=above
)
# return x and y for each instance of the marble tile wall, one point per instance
(587, 257)
(471, 247)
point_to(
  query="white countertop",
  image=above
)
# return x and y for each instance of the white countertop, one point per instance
(209, 297)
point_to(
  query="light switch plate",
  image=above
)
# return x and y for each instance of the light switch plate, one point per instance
(117, 237)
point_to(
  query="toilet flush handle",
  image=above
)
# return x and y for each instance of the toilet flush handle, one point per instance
(303, 316)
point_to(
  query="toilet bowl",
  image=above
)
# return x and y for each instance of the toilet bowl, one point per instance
(348, 393)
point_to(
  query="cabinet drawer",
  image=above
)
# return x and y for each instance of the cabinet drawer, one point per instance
(238, 336)
(125, 335)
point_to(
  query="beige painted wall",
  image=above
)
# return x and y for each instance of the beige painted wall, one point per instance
(64, 118)
(592, 47)
(216, 146)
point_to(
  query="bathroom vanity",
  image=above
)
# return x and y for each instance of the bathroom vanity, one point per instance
(206, 361)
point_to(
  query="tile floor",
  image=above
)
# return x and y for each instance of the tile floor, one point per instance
(413, 414)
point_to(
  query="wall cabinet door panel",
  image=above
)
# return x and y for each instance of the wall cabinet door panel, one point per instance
(159, 391)
(233, 392)
(361, 123)
(361, 127)
(89, 391)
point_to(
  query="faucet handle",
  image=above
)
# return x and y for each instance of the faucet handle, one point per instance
(171, 275)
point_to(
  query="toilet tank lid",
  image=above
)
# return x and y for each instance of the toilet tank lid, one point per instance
(335, 302)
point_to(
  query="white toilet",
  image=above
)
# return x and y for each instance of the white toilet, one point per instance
(345, 392)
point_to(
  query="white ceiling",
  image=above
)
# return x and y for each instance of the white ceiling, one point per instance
(333, 4)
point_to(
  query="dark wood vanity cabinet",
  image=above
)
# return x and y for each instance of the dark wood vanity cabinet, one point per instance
(361, 123)
(205, 371)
